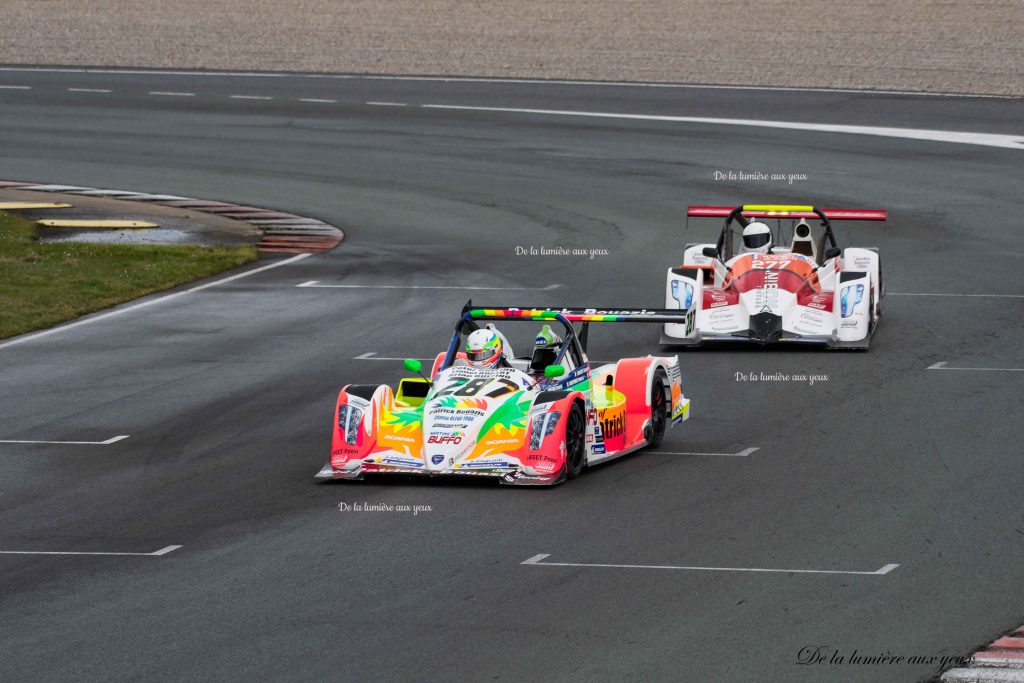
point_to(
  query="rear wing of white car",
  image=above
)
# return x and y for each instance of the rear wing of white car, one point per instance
(786, 211)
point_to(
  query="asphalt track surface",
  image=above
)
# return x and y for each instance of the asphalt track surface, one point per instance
(226, 395)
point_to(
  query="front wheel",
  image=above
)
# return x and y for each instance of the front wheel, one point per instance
(659, 414)
(575, 442)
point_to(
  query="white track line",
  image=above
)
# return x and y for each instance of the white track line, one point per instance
(942, 366)
(316, 99)
(315, 284)
(372, 355)
(387, 104)
(15, 87)
(151, 302)
(171, 93)
(158, 553)
(742, 454)
(536, 560)
(469, 79)
(109, 441)
(982, 139)
(102, 90)
(984, 296)
(250, 97)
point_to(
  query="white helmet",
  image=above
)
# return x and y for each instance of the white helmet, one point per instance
(757, 238)
(483, 348)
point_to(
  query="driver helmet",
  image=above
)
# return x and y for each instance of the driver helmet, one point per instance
(757, 238)
(547, 339)
(483, 348)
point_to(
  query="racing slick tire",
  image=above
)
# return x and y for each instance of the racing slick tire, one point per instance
(575, 441)
(659, 413)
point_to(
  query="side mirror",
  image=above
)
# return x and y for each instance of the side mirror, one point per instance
(832, 253)
(711, 252)
(553, 371)
(413, 365)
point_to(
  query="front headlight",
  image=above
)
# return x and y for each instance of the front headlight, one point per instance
(543, 425)
(849, 298)
(349, 418)
(683, 295)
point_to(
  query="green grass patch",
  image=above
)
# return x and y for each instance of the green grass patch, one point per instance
(45, 283)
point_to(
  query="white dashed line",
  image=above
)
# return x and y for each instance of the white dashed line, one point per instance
(387, 104)
(982, 296)
(372, 355)
(167, 93)
(15, 87)
(109, 441)
(250, 97)
(536, 560)
(742, 454)
(89, 90)
(314, 99)
(469, 79)
(158, 553)
(942, 366)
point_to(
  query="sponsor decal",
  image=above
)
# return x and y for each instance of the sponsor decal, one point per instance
(576, 376)
(395, 437)
(527, 477)
(722, 315)
(614, 425)
(477, 463)
(358, 402)
(496, 442)
(437, 459)
(821, 301)
(545, 466)
(714, 298)
(768, 295)
(812, 316)
(402, 461)
(441, 439)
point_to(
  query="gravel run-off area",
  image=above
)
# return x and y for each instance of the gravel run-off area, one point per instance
(958, 46)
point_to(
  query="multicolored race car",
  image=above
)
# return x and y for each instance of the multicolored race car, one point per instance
(788, 284)
(537, 419)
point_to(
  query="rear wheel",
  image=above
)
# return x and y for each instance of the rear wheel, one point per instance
(575, 442)
(659, 413)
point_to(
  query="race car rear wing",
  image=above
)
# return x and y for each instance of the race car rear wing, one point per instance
(584, 315)
(567, 316)
(787, 211)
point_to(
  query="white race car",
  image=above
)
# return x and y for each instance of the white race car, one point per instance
(795, 285)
